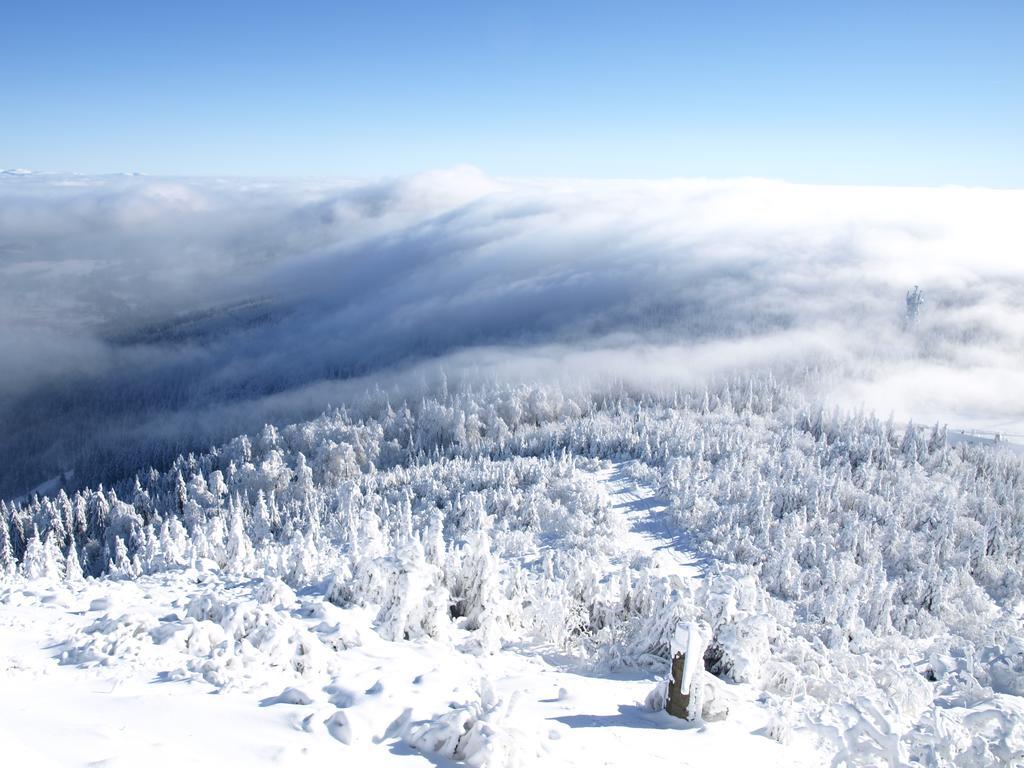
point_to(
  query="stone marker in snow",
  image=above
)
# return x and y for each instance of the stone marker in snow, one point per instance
(685, 685)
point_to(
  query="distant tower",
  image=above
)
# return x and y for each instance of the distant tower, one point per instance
(915, 298)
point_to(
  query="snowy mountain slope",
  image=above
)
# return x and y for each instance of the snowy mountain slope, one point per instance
(124, 653)
(476, 552)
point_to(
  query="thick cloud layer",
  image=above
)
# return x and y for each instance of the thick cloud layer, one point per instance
(141, 316)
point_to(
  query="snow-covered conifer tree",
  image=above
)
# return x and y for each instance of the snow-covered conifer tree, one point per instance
(302, 486)
(72, 567)
(261, 524)
(218, 488)
(301, 560)
(120, 565)
(173, 542)
(33, 563)
(199, 545)
(434, 546)
(8, 565)
(238, 552)
(53, 559)
(180, 492)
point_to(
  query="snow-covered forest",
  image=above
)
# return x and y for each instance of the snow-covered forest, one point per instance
(862, 580)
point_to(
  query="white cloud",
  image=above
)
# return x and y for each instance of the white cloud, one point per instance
(651, 281)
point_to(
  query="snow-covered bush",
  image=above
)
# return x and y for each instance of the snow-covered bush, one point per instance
(478, 733)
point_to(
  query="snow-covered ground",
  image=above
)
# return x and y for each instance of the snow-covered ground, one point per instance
(194, 667)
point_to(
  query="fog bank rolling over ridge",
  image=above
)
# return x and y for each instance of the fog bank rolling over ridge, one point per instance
(143, 316)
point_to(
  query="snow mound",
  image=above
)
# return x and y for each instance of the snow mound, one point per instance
(480, 733)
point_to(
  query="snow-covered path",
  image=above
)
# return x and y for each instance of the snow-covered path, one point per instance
(135, 688)
(646, 529)
(600, 719)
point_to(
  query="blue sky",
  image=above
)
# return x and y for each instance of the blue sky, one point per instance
(918, 93)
